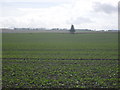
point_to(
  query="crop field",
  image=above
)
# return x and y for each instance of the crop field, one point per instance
(60, 60)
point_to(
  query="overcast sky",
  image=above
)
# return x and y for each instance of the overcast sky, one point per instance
(87, 14)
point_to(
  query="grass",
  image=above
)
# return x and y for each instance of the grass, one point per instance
(53, 60)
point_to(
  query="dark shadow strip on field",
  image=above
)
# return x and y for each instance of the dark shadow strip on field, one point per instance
(66, 54)
(51, 59)
(59, 49)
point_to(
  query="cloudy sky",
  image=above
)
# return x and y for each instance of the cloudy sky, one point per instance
(87, 14)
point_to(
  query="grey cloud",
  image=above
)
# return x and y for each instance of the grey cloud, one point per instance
(119, 15)
(80, 20)
(104, 7)
(119, 7)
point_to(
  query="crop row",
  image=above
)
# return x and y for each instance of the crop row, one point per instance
(60, 74)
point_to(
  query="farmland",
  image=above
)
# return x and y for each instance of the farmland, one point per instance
(60, 60)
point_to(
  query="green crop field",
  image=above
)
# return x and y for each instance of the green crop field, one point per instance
(56, 60)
